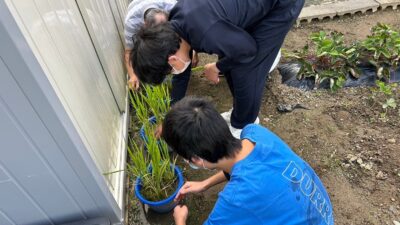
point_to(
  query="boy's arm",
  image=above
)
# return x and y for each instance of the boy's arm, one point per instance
(200, 186)
(133, 80)
(181, 212)
(131, 26)
(215, 179)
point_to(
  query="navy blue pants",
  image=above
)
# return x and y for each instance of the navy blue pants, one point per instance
(247, 81)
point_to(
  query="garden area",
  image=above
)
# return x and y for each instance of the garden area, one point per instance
(349, 133)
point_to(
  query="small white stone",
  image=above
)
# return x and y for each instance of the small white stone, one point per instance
(368, 166)
(380, 175)
(354, 158)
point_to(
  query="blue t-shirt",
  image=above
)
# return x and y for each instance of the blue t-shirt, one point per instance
(273, 186)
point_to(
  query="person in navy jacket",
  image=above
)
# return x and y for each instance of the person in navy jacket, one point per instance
(267, 182)
(245, 34)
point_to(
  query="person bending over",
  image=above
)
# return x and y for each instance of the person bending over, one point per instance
(148, 13)
(267, 182)
(245, 34)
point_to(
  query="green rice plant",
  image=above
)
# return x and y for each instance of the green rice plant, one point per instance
(138, 167)
(162, 172)
(153, 164)
(158, 100)
(197, 69)
(139, 104)
(156, 169)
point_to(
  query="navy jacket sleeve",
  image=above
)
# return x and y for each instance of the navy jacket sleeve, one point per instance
(233, 44)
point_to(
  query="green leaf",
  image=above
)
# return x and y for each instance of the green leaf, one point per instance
(386, 53)
(326, 42)
(390, 103)
(351, 50)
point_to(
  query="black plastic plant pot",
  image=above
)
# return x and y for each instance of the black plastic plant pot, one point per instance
(165, 205)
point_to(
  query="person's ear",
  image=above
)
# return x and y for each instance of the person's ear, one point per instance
(172, 59)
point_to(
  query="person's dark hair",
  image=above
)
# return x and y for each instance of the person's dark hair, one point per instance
(194, 128)
(151, 49)
(150, 16)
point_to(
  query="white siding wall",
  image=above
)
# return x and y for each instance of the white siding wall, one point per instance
(119, 10)
(37, 185)
(84, 66)
(62, 111)
(103, 30)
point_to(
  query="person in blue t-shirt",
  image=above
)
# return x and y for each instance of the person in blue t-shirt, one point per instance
(267, 182)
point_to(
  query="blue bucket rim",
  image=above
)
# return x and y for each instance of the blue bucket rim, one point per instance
(141, 131)
(138, 187)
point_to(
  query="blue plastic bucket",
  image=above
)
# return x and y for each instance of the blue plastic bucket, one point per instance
(152, 120)
(165, 205)
(142, 135)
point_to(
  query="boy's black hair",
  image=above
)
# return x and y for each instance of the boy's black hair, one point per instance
(194, 128)
(151, 49)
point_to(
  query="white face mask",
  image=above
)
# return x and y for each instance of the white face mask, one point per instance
(185, 66)
(193, 166)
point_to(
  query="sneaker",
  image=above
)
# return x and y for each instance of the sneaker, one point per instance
(276, 61)
(235, 131)
(257, 121)
(227, 115)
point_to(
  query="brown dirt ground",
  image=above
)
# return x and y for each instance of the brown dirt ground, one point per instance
(355, 152)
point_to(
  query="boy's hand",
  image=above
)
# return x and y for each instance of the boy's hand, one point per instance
(191, 187)
(211, 72)
(158, 131)
(180, 214)
(133, 82)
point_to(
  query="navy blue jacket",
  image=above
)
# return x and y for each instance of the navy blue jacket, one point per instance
(223, 27)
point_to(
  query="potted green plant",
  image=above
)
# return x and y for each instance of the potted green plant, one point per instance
(158, 179)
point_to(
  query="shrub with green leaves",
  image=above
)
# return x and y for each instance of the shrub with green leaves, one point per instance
(327, 57)
(381, 49)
